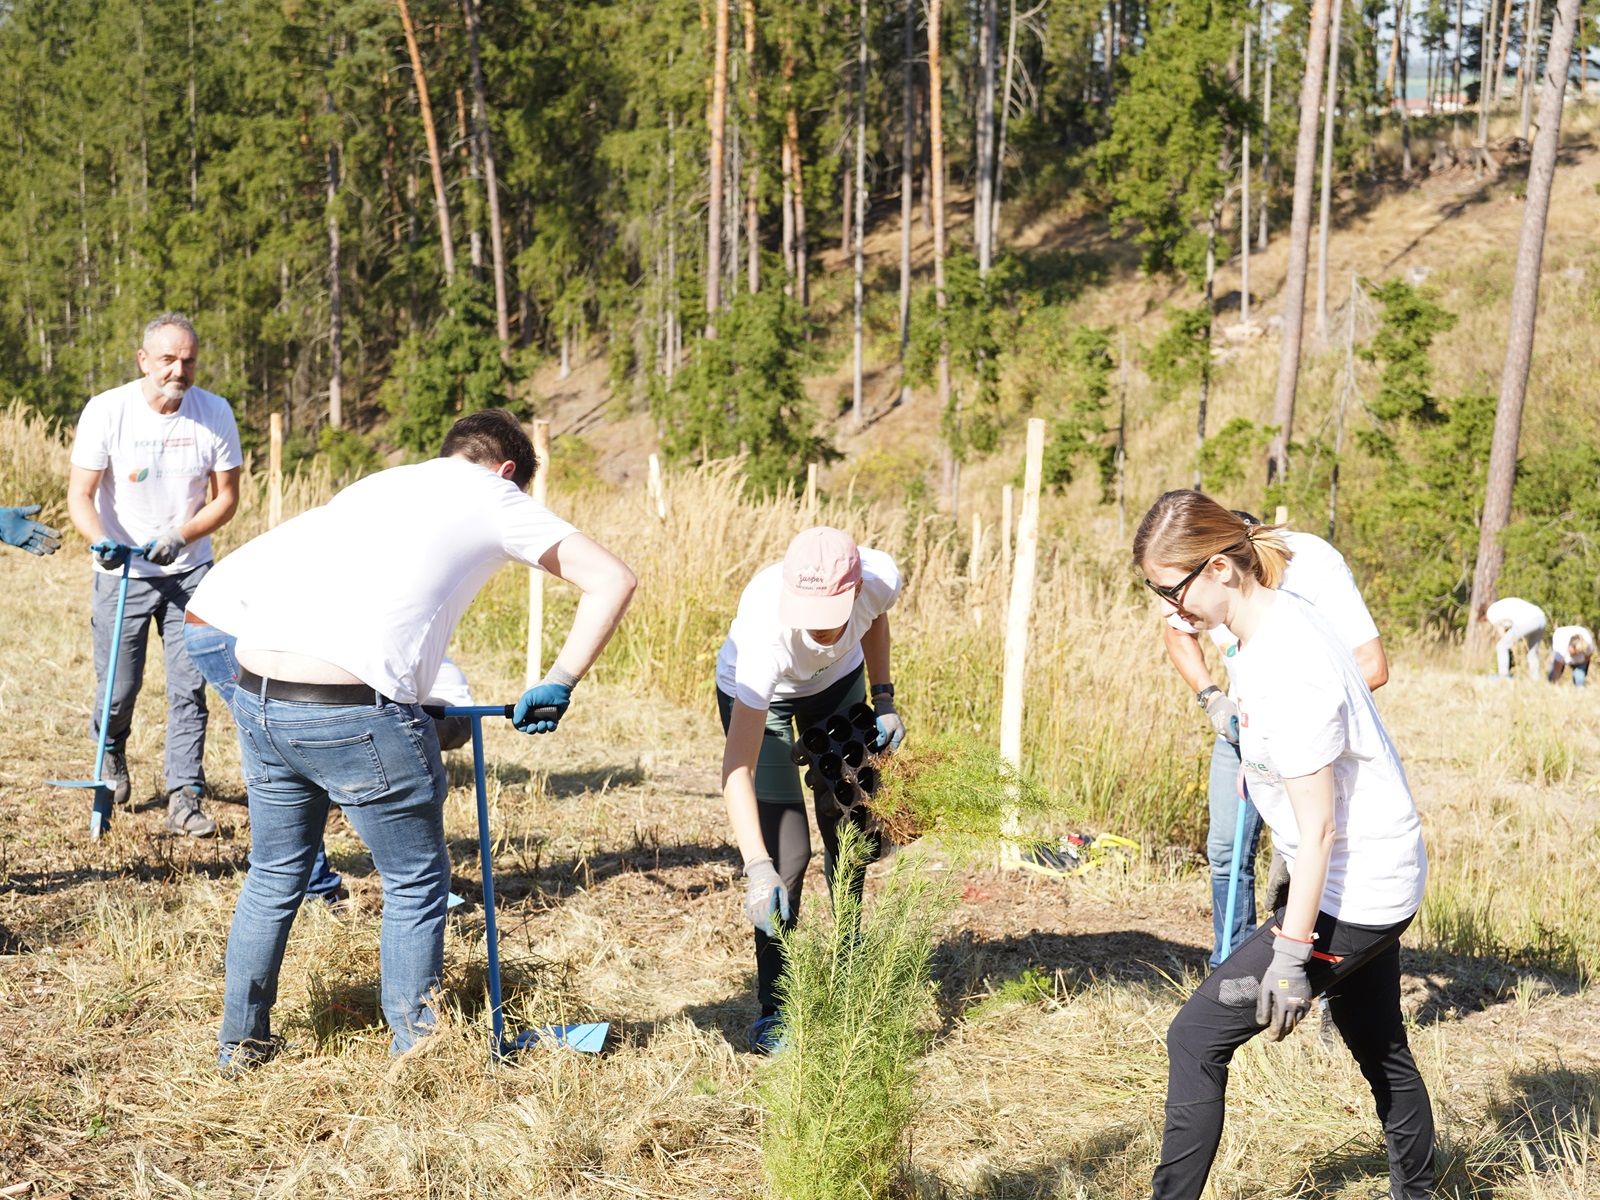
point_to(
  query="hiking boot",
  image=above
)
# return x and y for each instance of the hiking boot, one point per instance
(183, 812)
(114, 771)
(239, 1059)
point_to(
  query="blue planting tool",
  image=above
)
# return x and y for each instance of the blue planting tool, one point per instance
(1233, 867)
(100, 810)
(590, 1038)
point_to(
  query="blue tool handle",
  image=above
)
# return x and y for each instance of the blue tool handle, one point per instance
(545, 712)
(1233, 870)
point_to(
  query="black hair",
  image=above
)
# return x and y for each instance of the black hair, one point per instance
(490, 437)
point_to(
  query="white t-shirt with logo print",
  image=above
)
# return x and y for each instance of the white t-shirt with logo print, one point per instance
(761, 659)
(157, 466)
(1304, 705)
(1319, 575)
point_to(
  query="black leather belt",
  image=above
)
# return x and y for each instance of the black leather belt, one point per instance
(346, 694)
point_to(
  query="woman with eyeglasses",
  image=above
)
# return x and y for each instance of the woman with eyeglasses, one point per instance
(1317, 573)
(1327, 779)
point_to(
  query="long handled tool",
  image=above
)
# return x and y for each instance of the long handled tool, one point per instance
(100, 810)
(588, 1038)
(1233, 868)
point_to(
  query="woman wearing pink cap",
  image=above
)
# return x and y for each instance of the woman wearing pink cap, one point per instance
(805, 630)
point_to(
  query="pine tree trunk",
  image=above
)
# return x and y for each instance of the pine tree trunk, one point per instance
(801, 252)
(752, 218)
(420, 79)
(335, 300)
(908, 152)
(1244, 198)
(717, 121)
(1294, 304)
(1394, 46)
(786, 167)
(1205, 353)
(1524, 310)
(1266, 125)
(1500, 58)
(1530, 56)
(497, 240)
(1005, 124)
(983, 205)
(936, 169)
(1326, 209)
(1455, 83)
(1405, 97)
(471, 178)
(1486, 85)
(861, 205)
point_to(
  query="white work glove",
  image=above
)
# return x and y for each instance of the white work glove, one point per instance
(1224, 714)
(164, 549)
(765, 896)
(891, 729)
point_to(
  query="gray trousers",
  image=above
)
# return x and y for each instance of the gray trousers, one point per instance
(163, 600)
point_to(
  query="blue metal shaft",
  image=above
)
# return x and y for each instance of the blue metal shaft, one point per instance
(491, 933)
(1233, 872)
(111, 671)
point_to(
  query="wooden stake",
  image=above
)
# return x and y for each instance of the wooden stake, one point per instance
(541, 489)
(811, 491)
(275, 473)
(1281, 517)
(977, 549)
(1005, 524)
(656, 491)
(1022, 583)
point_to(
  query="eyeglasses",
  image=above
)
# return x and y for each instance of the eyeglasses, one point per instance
(1174, 594)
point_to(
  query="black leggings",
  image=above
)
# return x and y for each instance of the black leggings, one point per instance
(1363, 990)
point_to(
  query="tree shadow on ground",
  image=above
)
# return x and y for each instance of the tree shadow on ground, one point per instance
(1109, 1161)
(1543, 1125)
(561, 784)
(1454, 985)
(547, 883)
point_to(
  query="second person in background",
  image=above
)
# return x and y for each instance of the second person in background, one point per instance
(805, 629)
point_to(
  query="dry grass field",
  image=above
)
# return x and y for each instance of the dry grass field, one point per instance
(620, 901)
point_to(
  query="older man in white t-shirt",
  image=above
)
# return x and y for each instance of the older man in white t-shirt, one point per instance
(155, 464)
(1319, 575)
(343, 616)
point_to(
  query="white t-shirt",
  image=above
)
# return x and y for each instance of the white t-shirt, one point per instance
(1523, 615)
(1319, 575)
(1560, 639)
(761, 659)
(376, 580)
(160, 466)
(1303, 705)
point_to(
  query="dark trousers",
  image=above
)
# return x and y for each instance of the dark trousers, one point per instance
(1363, 990)
(781, 808)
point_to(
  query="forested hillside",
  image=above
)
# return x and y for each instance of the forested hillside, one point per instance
(382, 213)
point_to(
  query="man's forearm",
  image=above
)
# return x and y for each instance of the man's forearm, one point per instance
(597, 618)
(212, 517)
(1187, 656)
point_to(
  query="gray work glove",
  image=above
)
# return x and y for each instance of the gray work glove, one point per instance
(164, 549)
(765, 897)
(1224, 714)
(891, 729)
(1277, 882)
(1285, 994)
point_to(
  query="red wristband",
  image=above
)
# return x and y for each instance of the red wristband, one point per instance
(1278, 932)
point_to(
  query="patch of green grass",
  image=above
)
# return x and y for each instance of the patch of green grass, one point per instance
(1033, 986)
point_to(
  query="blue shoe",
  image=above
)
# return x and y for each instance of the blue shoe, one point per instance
(766, 1035)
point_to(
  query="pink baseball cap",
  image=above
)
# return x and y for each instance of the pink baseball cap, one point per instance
(820, 573)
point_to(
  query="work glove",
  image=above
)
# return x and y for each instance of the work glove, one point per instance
(765, 897)
(17, 530)
(541, 695)
(109, 554)
(163, 551)
(1224, 714)
(1285, 994)
(891, 729)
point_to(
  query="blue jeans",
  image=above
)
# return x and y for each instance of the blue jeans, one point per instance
(211, 651)
(381, 765)
(1224, 797)
(160, 600)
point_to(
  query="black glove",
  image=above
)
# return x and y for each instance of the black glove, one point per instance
(454, 732)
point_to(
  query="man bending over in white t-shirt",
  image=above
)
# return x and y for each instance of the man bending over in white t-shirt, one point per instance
(351, 607)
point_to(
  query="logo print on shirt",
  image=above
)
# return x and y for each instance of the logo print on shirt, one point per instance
(139, 476)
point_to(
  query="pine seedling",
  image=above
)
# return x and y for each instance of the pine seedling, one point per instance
(959, 789)
(857, 1003)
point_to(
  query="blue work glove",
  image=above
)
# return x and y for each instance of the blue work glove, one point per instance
(891, 729)
(765, 897)
(542, 695)
(109, 554)
(17, 530)
(164, 550)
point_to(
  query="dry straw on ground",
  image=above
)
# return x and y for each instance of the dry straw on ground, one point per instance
(620, 900)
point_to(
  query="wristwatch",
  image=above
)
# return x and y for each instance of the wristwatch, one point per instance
(1203, 697)
(883, 689)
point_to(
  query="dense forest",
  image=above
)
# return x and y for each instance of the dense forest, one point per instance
(381, 213)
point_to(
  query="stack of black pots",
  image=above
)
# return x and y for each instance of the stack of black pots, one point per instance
(839, 759)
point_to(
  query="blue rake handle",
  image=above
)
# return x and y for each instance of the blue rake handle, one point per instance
(588, 1038)
(100, 811)
(1233, 868)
